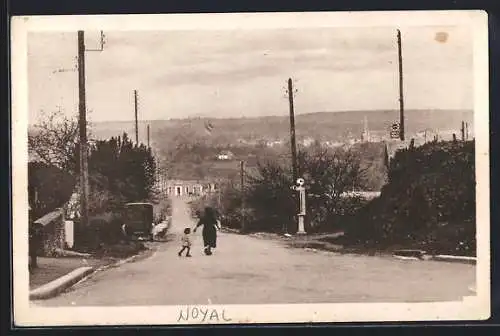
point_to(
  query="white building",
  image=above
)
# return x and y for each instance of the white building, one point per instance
(226, 155)
(306, 142)
(189, 188)
(274, 143)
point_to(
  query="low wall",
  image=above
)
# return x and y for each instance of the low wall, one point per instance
(53, 228)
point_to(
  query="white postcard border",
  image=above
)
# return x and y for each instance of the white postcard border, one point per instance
(471, 308)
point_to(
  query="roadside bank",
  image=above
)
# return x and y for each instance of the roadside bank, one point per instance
(334, 242)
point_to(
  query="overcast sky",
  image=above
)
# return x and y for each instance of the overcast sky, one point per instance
(243, 73)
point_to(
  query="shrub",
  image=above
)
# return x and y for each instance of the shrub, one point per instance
(102, 229)
(428, 187)
(51, 185)
(347, 209)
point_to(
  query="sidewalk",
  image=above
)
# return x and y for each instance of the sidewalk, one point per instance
(57, 274)
(50, 269)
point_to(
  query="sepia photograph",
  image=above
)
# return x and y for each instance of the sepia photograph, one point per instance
(250, 168)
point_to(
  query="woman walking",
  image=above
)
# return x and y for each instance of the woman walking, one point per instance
(210, 226)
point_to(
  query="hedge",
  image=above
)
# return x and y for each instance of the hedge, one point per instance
(429, 201)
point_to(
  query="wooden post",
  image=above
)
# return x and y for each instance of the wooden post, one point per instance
(462, 131)
(292, 130)
(219, 202)
(242, 177)
(148, 135)
(136, 119)
(401, 100)
(82, 124)
(386, 157)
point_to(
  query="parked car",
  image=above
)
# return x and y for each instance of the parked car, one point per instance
(138, 221)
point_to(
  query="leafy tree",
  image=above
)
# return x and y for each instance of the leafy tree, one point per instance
(122, 171)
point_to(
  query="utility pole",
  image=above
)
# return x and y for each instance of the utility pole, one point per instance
(158, 174)
(82, 124)
(401, 101)
(148, 135)
(462, 130)
(292, 130)
(136, 122)
(242, 177)
(219, 203)
(219, 193)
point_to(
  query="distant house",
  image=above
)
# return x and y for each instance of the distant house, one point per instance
(186, 188)
(332, 144)
(368, 195)
(308, 142)
(225, 155)
(244, 142)
(274, 143)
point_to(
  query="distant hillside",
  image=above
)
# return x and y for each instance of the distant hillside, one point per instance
(336, 126)
(188, 149)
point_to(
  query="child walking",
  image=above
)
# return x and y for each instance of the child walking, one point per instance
(186, 243)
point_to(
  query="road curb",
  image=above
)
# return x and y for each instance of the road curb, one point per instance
(407, 258)
(229, 230)
(120, 262)
(457, 259)
(57, 286)
(422, 255)
(409, 254)
(71, 254)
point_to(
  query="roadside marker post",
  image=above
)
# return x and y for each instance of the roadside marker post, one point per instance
(302, 203)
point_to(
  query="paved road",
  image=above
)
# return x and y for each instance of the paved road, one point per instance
(247, 270)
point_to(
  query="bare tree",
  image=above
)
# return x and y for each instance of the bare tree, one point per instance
(54, 141)
(330, 175)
